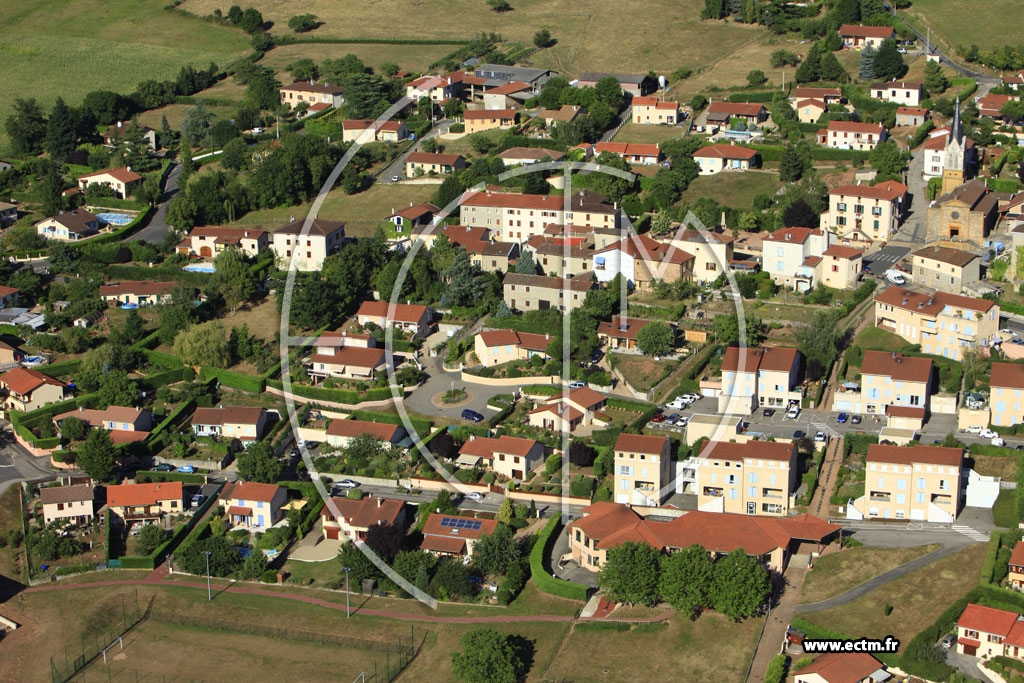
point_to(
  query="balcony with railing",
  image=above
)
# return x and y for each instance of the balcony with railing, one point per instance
(712, 491)
(880, 496)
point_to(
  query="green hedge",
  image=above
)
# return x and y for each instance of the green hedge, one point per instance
(295, 40)
(146, 476)
(762, 96)
(989, 565)
(61, 369)
(347, 396)
(543, 580)
(161, 359)
(422, 427)
(542, 389)
(149, 341)
(235, 380)
(496, 419)
(171, 420)
(159, 379)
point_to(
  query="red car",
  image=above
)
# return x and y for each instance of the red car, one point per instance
(658, 418)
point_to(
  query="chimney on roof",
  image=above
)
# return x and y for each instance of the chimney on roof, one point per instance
(379, 501)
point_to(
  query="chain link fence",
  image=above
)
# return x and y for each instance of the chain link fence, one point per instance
(79, 652)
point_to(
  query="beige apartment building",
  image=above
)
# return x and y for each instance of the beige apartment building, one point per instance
(557, 259)
(946, 270)
(312, 93)
(1006, 403)
(920, 483)
(888, 381)
(643, 466)
(875, 210)
(478, 120)
(852, 135)
(494, 347)
(841, 267)
(307, 251)
(712, 252)
(540, 293)
(943, 324)
(792, 256)
(515, 217)
(652, 110)
(752, 478)
(907, 93)
(508, 456)
(753, 377)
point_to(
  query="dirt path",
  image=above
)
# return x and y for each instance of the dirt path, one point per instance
(827, 477)
(770, 643)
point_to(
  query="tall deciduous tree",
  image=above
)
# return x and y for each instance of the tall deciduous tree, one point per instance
(26, 127)
(630, 573)
(386, 540)
(495, 553)
(234, 279)
(203, 344)
(655, 338)
(739, 586)
(257, 463)
(488, 657)
(686, 579)
(96, 455)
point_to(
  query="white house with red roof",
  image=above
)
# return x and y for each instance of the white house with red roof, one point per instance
(411, 217)
(877, 211)
(723, 112)
(494, 347)
(911, 116)
(792, 255)
(209, 240)
(340, 433)
(989, 632)
(137, 292)
(906, 93)
(435, 88)
(348, 362)
(245, 423)
(840, 267)
(857, 36)
(346, 519)
(516, 217)
(123, 181)
(125, 424)
(369, 130)
(636, 154)
(620, 332)
(843, 667)
(570, 410)
(641, 260)
(254, 505)
(145, 502)
(415, 319)
(648, 110)
(509, 456)
(717, 158)
(758, 377)
(852, 135)
(28, 389)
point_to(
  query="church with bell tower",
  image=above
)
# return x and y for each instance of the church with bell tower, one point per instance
(954, 161)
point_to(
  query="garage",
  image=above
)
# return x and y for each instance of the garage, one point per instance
(205, 252)
(332, 533)
(970, 649)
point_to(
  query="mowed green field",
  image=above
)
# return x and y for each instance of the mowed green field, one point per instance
(600, 35)
(962, 22)
(736, 190)
(51, 48)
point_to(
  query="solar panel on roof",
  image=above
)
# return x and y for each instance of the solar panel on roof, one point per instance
(461, 523)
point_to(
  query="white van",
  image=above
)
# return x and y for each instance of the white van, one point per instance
(895, 277)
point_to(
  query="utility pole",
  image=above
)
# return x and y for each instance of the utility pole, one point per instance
(209, 593)
(348, 611)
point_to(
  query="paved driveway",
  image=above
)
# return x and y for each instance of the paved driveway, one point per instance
(158, 226)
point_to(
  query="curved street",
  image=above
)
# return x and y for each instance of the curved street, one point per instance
(158, 227)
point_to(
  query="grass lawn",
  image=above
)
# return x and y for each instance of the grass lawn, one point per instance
(412, 58)
(919, 598)
(583, 33)
(262, 319)
(946, 19)
(882, 340)
(994, 466)
(647, 133)
(791, 313)
(642, 372)
(59, 47)
(176, 113)
(736, 190)
(709, 649)
(361, 213)
(319, 572)
(837, 573)
(730, 71)
(11, 559)
(1004, 512)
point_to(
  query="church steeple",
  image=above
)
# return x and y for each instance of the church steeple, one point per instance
(956, 130)
(953, 162)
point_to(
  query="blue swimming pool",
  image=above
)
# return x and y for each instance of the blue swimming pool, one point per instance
(115, 218)
(200, 268)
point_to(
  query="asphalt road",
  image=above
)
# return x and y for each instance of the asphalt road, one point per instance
(397, 167)
(16, 464)
(885, 258)
(158, 226)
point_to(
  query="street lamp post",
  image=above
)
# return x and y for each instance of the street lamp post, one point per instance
(348, 611)
(209, 593)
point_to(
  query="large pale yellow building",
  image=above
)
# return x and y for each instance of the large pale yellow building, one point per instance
(712, 252)
(1006, 402)
(494, 347)
(875, 210)
(515, 217)
(753, 377)
(841, 267)
(943, 324)
(753, 478)
(889, 380)
(307, 251)
(642, 469)
(946, 270)
(919, 483)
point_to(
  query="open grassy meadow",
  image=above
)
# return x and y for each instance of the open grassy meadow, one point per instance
(962, 22)
(839, 572)
(736, 190)
(408, 57)
(663, 34)
(52, 48)
(647, 134)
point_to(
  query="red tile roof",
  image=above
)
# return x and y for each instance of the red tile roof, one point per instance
(239, 511)
(363, 124)
(486, 447)
(628, 149)
(226, 231)
(621, 328)
(306, 86)
(781, 451)
(726, 152)
(352, 356)
(441, 544)
(364, 513)
(794, 235)
(581, 396)
(515, 200)
(576, 284)
(252, 490)
(771, 358)
(858, 31)
(24, 381)
(123, 174)
(854, 127)
(474, 114)
(137, 287)
(900, 85)
(528, 340)
(908, 455)
(931, 304)
(654, 102)
(402, 313)
(1007, 375)
(416, 211)
(245, 415)
(736, 108)
(911, 111)
(82, 492)
(839, 251)
(845, 667)
(433, 158)
(897, 366)
(987, 619)
(817, 93)
(536, 153)
(433, 527)
(352, 428)
(122, 495)
(809, 101)
(317, 227)
(905, 411)
(649, 250)
(889, 190)
(93, 417)
(1016, 557)
(640, 443)
(509, 88)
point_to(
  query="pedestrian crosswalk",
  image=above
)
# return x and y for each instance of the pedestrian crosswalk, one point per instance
(971, 533)
(885, 257)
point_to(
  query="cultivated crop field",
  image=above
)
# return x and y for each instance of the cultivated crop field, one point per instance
(962, 22)
(602, 35)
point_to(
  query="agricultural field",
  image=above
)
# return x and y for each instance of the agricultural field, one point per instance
(413, 58)
(673, 33)
(946, 20)
(57, 48)
(731, 70)
(736, 190)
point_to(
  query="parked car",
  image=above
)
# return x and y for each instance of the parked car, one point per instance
(187, 469)
(475, 496)
(1007, 330)
(895, 277)
(577, 384)
(163, 467)
(671, 419)
(855, 419)
(998, 442)
(974, 429)
(988, 434)
(346, 484)
(948, 641)
(820, 436)
(793, 412)
(395, 178)
(799, 434)
(767, 412)
(677, 403)
(197, 500)
(658, 418)
(841, 418)
(472, 415)
(683, 419)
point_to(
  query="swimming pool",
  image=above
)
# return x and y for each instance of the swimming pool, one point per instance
(200, 268)
(116, 218)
